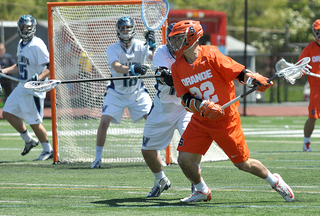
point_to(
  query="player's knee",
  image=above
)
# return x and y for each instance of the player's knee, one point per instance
(183, 159)
(244, 166)
(5, 115)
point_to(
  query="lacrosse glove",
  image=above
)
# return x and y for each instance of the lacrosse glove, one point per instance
(151, 40)
(166, 77)
(256, 79)
(34, 78)
(137, 69)
(210, 110)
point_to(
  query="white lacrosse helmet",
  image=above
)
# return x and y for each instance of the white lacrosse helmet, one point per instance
(26, 33)
(126, 29)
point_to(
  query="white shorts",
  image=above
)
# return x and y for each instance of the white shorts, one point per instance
(114, 105)
(25, 106)
(160, 126)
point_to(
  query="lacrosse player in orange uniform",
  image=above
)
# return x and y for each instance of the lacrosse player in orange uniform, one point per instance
(312, 51)
(203, 78)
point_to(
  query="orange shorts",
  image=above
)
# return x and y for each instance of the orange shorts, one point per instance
(227, 133)
(314, 104)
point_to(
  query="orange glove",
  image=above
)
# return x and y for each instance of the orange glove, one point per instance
(191, 107)
(210, 110)
(261, 81)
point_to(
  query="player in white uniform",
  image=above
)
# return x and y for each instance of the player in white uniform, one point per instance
(125, 58)
(166, 115)
(32, 64)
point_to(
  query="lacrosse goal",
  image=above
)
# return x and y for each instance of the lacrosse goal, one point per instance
(79, 34)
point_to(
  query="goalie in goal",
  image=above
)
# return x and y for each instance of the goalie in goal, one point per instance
(126, 57)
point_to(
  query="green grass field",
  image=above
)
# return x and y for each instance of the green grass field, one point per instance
(41, 188)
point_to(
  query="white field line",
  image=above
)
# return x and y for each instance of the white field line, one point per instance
(315, 189)
(247, 132)
(129, 189)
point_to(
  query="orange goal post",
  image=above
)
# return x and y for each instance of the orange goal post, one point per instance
(79, 34)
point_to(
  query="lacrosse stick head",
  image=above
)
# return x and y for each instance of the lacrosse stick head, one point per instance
(291, 72)
(154, 13)
(42, 86)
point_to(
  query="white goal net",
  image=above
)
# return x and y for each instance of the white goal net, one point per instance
(80, 35)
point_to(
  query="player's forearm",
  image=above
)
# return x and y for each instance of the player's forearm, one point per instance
(120, 68)
(44, 74)
(11, 70)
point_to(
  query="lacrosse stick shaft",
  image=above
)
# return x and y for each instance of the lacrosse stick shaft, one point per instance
(239, 97)
(143, 62)
(11, 78)
(313, 74)
(109, 78)
(244, 94)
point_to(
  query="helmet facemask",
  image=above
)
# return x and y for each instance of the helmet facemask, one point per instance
(188, 32)
(178, 43)
(169, 45)
(316, 34)
(316, 30)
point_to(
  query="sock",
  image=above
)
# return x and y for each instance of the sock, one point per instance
(271, 179)
(99, 150)
(306, 140)
(46, 146)
(202, 186)
(158, 176)
(26, 136)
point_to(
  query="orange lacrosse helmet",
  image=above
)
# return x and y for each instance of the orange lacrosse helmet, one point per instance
(188, 31)
(316, 29)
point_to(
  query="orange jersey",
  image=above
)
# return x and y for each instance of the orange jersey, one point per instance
(313, 51)
(210, 76)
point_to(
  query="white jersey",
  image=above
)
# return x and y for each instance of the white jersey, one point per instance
(116, 52)
(167, 113)
(166, 94)
(32, 59)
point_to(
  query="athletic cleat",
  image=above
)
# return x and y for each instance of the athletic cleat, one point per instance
(28, 146)
(283, 189)
(159, 187)
(193, 188)
(96, 164)
(307, 146)
(45, 155)
(198, 196)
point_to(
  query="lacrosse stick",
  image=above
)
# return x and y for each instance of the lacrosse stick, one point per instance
(290, 72)
(11, 77)
(154, 13)
(47, 85)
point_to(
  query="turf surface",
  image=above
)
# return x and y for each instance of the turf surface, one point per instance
(41, 188)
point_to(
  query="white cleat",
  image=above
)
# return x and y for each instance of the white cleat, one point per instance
(45, 155)
(159, 187)
(283, 189)
(198, 196)
(96, 164)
